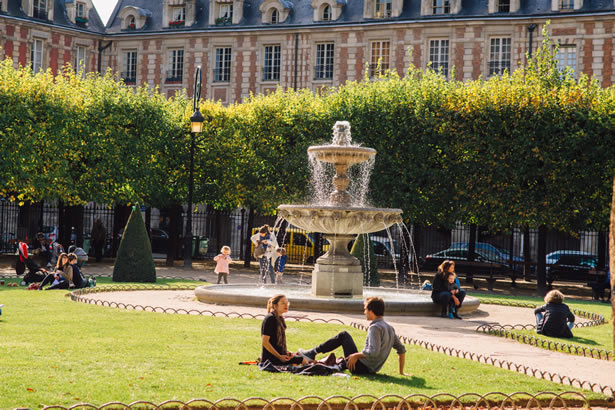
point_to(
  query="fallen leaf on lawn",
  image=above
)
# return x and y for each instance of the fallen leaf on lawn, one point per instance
(141, 377)
(30, 389)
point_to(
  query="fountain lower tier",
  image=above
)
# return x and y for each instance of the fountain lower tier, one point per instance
(337, 273)
(397, 301)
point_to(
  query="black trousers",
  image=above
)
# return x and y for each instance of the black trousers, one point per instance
(344, 340)
(444, 299)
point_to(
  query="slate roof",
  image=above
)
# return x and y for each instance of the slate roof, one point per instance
(60, 18)
(302, 13)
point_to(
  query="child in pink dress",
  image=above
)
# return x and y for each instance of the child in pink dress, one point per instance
(222, 262)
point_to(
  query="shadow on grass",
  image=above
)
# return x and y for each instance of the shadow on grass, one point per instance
(408, 381)
(578, 339)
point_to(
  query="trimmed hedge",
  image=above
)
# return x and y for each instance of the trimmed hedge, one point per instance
(134, 261)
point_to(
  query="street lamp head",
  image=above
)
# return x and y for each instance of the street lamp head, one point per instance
(197, 121)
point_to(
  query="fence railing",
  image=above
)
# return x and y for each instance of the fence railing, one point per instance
(514, 250)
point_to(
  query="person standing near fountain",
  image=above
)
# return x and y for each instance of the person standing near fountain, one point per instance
(381, 338)
(273, 334)
(265, 245)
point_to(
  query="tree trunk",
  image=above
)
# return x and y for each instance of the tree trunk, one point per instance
(527, 254)
(248, 247)
(612, 257)
(175, 233)
(541, 268)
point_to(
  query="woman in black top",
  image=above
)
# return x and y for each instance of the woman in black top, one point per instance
(273, 334)
(440, 293)
(555, 318)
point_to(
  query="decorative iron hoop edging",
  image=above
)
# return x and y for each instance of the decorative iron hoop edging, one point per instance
(504, 364)
(507, 331)
(554, 377)
(420, 401)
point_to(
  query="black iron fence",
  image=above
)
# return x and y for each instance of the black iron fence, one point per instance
(515, 250)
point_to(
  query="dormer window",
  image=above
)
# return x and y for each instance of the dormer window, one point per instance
(178, 17)
(133, 18)
(275, 16)
(566, 4)
(383, 8)
(275, 11)
(81, 14)
(504, 6)
(326, 13)
(441, 7)
(226, 11)
(132, 24)
(40, 9)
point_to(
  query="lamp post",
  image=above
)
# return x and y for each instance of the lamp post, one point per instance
(196, 121)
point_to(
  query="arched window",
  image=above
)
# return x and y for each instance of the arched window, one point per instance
(275, 16)
(326, 13)
(132, 23)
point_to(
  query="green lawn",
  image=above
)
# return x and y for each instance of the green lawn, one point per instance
(595, 337)
(55, 351)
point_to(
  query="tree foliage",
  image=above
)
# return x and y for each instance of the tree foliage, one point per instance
(530, 147)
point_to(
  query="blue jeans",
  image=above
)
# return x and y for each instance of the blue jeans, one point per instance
(266, 265)
(540, 316)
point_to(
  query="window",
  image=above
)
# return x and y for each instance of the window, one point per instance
(383, 8)
(226, 11)
(441, 6)
(37, 55)
(504, 6)
(566, 4)
(380, 57)
(81, 10)
(324, 61)
(179, 17)
(326, 13)
(438, 56)
(40, 9)
(176, 65)
(80, 58)
(567, 57)
(271, 66)
(499, 56)
(132, 23)
(130, 67)
(275, 16)
(222, 72)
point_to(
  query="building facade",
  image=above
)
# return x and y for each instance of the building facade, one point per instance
(255, 46)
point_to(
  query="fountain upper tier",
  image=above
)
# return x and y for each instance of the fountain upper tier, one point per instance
(341, 155)
(340, 220)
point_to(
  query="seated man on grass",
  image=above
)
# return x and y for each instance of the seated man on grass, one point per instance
(381, 338)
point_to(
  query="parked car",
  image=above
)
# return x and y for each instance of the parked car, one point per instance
(493, 253)
(299, 245)
(383, 251)
(160, 240)
(570, 265)
(481, 264)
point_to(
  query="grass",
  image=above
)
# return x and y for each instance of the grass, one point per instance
(594, 337)
(56, 351)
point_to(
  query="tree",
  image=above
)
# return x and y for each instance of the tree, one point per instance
(134, 261)
(363, 250)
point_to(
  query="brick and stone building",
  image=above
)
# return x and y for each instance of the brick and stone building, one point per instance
(254, 46)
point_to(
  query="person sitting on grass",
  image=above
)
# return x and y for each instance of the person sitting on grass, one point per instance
(555, 318)
(381, 338)
(35, 272)
(58, 279)
(77, 278)
(273, 335)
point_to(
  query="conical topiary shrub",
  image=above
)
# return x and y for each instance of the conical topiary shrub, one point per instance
(134, 261)
(363, 250)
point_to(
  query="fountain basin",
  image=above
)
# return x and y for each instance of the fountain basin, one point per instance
(397, 301)
(343, 220)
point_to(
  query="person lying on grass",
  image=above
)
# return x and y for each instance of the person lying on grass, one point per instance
(273, 334)
(555, 318)
(381, 338)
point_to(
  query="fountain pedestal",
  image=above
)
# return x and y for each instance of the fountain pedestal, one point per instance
(337, 273)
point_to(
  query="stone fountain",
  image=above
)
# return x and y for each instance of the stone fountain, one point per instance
(337, 278)
(337, 273)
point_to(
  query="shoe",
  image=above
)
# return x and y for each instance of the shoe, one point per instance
(456, 316)
(307, 354)
(450, 316)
